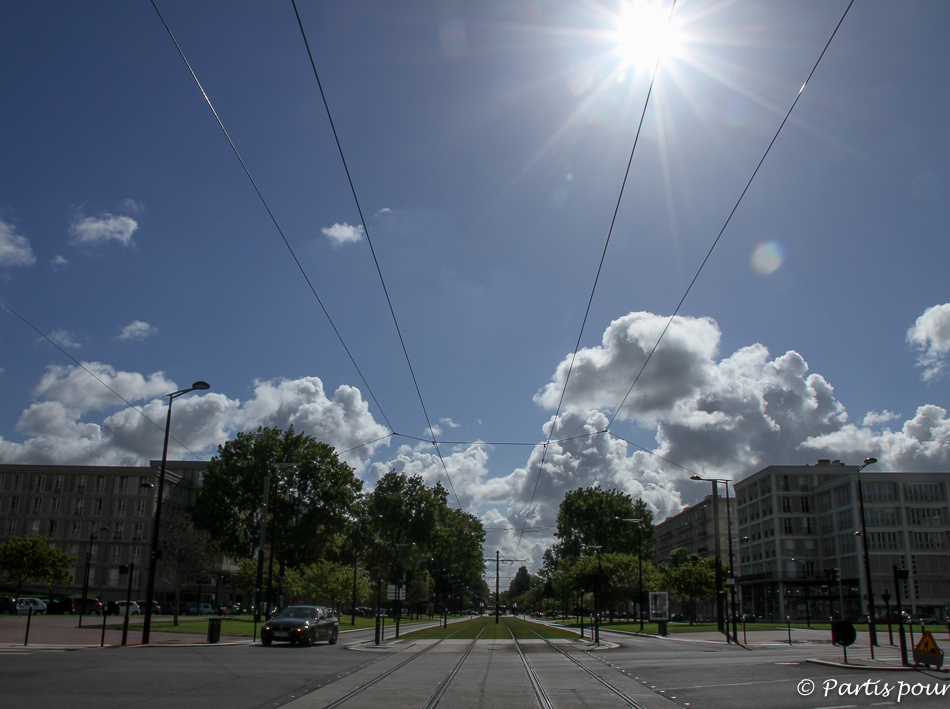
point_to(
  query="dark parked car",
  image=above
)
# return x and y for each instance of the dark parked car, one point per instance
(302, 625)
(8, 606)
(113, 608)
(60, 605)
(88, 606)
(168, 608)
(156, 607)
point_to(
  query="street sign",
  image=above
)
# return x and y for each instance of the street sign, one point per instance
(926, 651)
(395, 592)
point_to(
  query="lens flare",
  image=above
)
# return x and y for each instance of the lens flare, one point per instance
(767, 257)
(646, 34)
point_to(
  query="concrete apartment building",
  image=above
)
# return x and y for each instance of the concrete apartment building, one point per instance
(796, 521)
(694, 528)
(71, 504)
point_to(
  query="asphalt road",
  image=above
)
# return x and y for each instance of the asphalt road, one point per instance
(697, 671)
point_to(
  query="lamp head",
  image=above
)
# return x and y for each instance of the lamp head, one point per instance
(695, 477)
(870, 461)
(201, 386)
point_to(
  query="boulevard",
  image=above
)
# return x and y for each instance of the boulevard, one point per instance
(685, 670)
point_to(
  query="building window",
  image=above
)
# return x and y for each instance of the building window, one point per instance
(80, 484)
(842, 496)
(100, 484)
(77, 507)
(845, 543)
(879, 492)
(803, 483)
(828, 547)
(75, 529)
(845, 519)
(806, 525)
(37, 505)
(115, 554)
(113, 577)
(120, 508)
(923, 492)
(884, 541)
(136, 553)
(928, 541)
(142, 490)
(786, 504)
(926, 517)
(140, 508)
(827, 525)
(14, 505)
(39, 483)
(805, 506)
(122, 487)
(10, 528)
(35, 528)
(58, 483)
(97, 507)
(783, 484)
(882, 517)
(789, 525)
(17, 483)
(53, 528)
(138, 531)
(118, 529)
(56, 506)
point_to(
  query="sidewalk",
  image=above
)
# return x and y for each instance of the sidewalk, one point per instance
(61, 632)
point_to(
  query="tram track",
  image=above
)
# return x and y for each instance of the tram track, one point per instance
(603, 681)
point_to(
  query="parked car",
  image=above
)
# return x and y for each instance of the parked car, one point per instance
(168, 608)
(156, 607)
(302, 625)
(132, 605)
(925, 620)
(8, 606)
(88, 606)
(189, 608)
(205, 609)
(25, 604)
(60, 605)
(112, 608)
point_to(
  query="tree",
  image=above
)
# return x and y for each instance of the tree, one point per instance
(310, 501)
(245, 577)
(521, 583)
(412, 524)
(186, 553)
(592, 516)
(25, 559)
(688, 577)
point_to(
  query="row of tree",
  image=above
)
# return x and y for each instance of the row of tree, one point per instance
(320, 525)
(606, 544)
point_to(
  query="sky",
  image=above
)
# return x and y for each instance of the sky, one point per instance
(429, 323)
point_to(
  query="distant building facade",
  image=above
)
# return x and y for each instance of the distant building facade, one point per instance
(694, 529)
(104, 512)
(796, 523)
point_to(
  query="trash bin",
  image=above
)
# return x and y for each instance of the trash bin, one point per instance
(214, 630)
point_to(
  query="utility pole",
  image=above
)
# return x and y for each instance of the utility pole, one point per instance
(498, 561)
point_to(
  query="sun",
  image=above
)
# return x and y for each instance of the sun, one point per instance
(645, 33)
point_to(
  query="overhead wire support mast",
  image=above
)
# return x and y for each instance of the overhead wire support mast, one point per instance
(273, 218)
(498, 562)
(369, 241)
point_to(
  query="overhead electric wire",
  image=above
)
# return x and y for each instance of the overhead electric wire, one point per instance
(369, 241)
(271, 215)
(93, 375)
(593, 290)
(731, 213)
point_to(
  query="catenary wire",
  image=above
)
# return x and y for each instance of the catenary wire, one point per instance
(593, 290)
(369, 241)
(93, 375)
(273, 218)
(729, 218)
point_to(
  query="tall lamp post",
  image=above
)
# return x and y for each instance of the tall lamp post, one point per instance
(639, 522)
(597, 599)
(872, 629)
(156, 552)
(93, 535)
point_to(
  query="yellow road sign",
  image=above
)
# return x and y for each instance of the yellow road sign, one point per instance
(927, 645)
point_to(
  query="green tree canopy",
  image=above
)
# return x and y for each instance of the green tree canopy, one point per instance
(310, 501)
(688, 577)
(592, 516)
(25, 559)
(186, 553)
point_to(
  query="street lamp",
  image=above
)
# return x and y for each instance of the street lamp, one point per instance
(156, 552)
(597, 599)
(719, 593)
(872, 629)
(356, 531)
(85, 582)
(639, 522)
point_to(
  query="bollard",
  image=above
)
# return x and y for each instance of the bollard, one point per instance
(788, 619)
(102, 639)
(29, 616)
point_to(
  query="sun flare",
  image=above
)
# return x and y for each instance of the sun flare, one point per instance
(645, 33)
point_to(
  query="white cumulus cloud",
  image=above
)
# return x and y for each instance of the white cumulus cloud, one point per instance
(14, 249)
(137, 330)
(102, 229)
(343, 233)
(931, 335)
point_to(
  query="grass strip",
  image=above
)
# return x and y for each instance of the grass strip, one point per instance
(469, 629)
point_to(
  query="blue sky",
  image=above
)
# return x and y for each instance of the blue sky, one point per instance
(487, 143)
